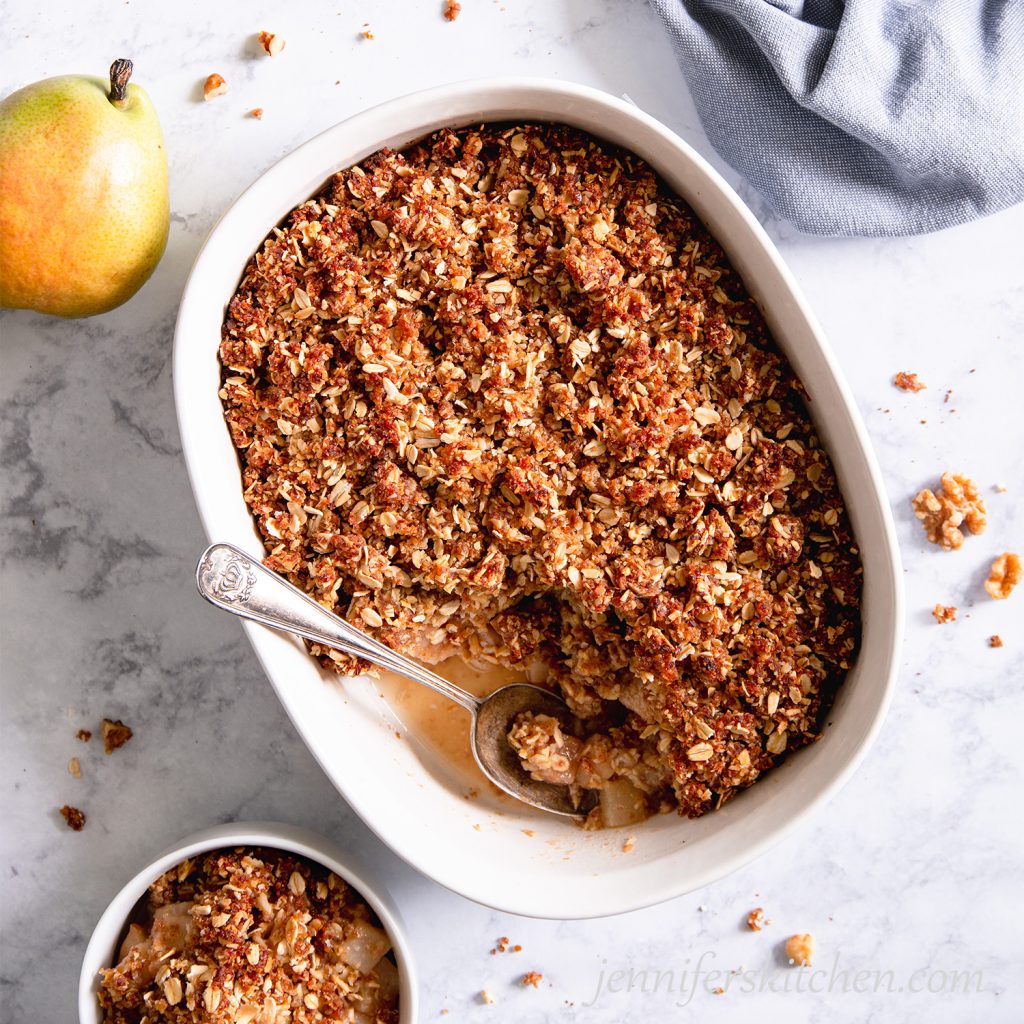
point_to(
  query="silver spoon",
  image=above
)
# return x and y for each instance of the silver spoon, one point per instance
(232, 580)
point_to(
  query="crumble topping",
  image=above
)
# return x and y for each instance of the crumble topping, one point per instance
(115, 734)
(756, 919)
(252, 937)
(800, 949)
(84, 735)
(995, 640)
(908, 382)
(452, 9)
(944, 613)
(533, 978)
(1004, 575)
(501, 395)
(956, 503)
(73, 817)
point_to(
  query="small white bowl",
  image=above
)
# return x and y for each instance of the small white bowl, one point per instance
(106, 936)
(504, 855)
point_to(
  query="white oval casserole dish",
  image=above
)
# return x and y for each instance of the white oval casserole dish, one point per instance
(110, 928)
(503, 855)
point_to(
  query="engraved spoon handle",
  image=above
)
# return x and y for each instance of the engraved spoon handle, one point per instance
(232, 580)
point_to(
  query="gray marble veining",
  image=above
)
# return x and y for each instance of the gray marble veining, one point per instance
(914, 869)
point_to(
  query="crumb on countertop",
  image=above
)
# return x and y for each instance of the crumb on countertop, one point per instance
(995, 640)
(256, 112)
(944, 613)
(908, 381)
(800, 949)
(531, 978)
(84, 735)
(214, 86)
(629, 844)
(1004, 575)
(452, 9)
(956, 503)
(74, 818)
(756, 919)
(487, 997)
(272, 44)
(74, 768)
(115, 734)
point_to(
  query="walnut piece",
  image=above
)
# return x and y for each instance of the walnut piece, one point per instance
(956, 503)
(908, 382)
(800, 949)
(1004, 575)
(944, 613)
(115, 734)
(214, 86)
(272, 45)
(256, 112)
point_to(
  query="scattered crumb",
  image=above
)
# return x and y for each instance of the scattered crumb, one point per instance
(756, 919)
(214, 86)
(1001, 488)
(947, 396)
(367, 34)
(528, 832)
(517, 949)
(272, 45)
(256, 112)
(531, 978)
(701, 909)
(115, 734)
(629, 844)
(1004, 575)
(452, 9)
(942, 512)
(485, 997)
(995, 640)
(75, 768)
(944, 613)
(908, 381)
(84, 735)
(502, 945)
(718, 991)
(800, 949)
(74, 817)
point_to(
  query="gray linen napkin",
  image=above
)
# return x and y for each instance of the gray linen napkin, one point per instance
(869, 117)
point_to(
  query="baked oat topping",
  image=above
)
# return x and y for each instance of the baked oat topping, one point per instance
(956, 503)
(800, 949)
(1004, 575)
(73, 817)
(115, 734)
(756, 919)
(501, 395)
(995, 640)
(252, 937)
(908, 382)
(944, 613)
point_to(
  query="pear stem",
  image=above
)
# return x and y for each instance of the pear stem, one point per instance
(120, 72)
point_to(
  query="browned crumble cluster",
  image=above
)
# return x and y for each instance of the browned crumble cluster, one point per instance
(452, 9)
(115, 734)
(944, 613)
(73, 818)
(84, 735)
(908, 382)
(756, 919)
(248, 937)
(995, 640)
(956, 503)
(533, 978)
(501, 395)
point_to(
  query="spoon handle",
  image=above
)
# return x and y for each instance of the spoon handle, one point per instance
(232, 580)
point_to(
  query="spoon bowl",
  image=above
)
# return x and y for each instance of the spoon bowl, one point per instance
(230, 579)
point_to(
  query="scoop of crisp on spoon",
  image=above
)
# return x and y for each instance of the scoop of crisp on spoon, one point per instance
(238, 583)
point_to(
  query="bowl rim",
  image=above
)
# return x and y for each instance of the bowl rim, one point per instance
(518, 91)
(270, 835)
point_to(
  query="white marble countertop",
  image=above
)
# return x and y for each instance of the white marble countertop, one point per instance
(914, 869)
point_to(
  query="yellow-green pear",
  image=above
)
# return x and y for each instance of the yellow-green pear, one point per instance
(84, 211)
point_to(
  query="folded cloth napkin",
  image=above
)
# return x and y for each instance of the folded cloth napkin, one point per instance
(863, 117)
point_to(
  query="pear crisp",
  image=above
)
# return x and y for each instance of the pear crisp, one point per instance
(251, 936)
(501, 395)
